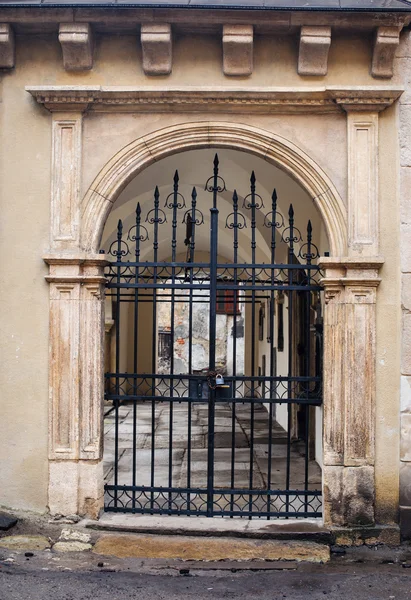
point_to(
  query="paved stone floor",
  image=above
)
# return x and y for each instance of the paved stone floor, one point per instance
(189, 464)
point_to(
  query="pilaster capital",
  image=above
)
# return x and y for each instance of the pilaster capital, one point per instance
(75, 268)
(350, 271)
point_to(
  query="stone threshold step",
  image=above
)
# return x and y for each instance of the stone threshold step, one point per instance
(297, 530)
(208, 549)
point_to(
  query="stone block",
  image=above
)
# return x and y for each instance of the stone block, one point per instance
(333, 495)
(156, 43)
(386, 42)
(403, 49)
(315, 44)
(210, 549)
(63, 487)
(25, 542)
(7, 46)
(406, 345)
(77, 45)
(405, 444)
(405, 136)
(405, 394)
(405, 484)
(405, 230)
(6, 521)
(238, 50)
(405, 522)
(359, 495)
(405, 195)
(71, 547)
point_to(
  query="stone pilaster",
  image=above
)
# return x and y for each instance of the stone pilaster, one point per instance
(349, 389)
(76, 383)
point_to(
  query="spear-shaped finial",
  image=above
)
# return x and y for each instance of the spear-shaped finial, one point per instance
(138, 210)
(291, 212)
(235, 199)
(119, 228)
(252, 178)
(216, 161)
(176, 178)
(274, 197)
(309, 231)
(194, 195)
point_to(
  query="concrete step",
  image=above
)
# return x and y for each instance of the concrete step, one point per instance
(208, 549)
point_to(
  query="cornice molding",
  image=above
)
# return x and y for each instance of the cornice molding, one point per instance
(214, 99)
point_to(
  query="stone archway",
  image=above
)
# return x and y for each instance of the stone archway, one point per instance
(127, 163)
(77, 327)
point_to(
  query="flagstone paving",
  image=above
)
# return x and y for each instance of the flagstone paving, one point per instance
(188, 466)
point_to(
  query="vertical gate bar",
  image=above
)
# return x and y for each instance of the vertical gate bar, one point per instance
(172, 314)
(290, 347)
(135, 348)
(190, 241)
(307, 356)
(212, 354)
(156, 221)
(253, 331)
(117, 401)
(271, 324)
(234, 389)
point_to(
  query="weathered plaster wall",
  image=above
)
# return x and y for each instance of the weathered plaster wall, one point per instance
(25, 136)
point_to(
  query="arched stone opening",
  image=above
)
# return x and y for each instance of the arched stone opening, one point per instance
(77, 328)
(125, 165)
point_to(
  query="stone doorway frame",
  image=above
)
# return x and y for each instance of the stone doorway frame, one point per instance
(350, 282)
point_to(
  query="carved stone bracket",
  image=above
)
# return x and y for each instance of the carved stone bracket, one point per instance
(238, 50)
(76, 41)
(76, 383)
(7, 46)
(315, 43)
(386, 43)
(349, 389)
(330, 99)
(156, 43)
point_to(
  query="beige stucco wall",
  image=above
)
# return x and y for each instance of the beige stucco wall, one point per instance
(25, 135)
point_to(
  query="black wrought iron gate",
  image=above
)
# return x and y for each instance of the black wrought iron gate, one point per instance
(216, 371)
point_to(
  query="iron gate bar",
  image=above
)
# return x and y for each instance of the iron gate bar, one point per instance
(175, 283)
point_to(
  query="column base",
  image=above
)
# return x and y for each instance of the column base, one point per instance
(76, 487)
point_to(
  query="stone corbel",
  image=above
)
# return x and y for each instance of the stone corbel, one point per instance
(386, 43)
(350, 286)
(315, 43)
(77, 45)
(238, 50)
(7, 47)
(156, 43)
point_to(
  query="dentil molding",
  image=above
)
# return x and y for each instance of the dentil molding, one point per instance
(325, 99)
